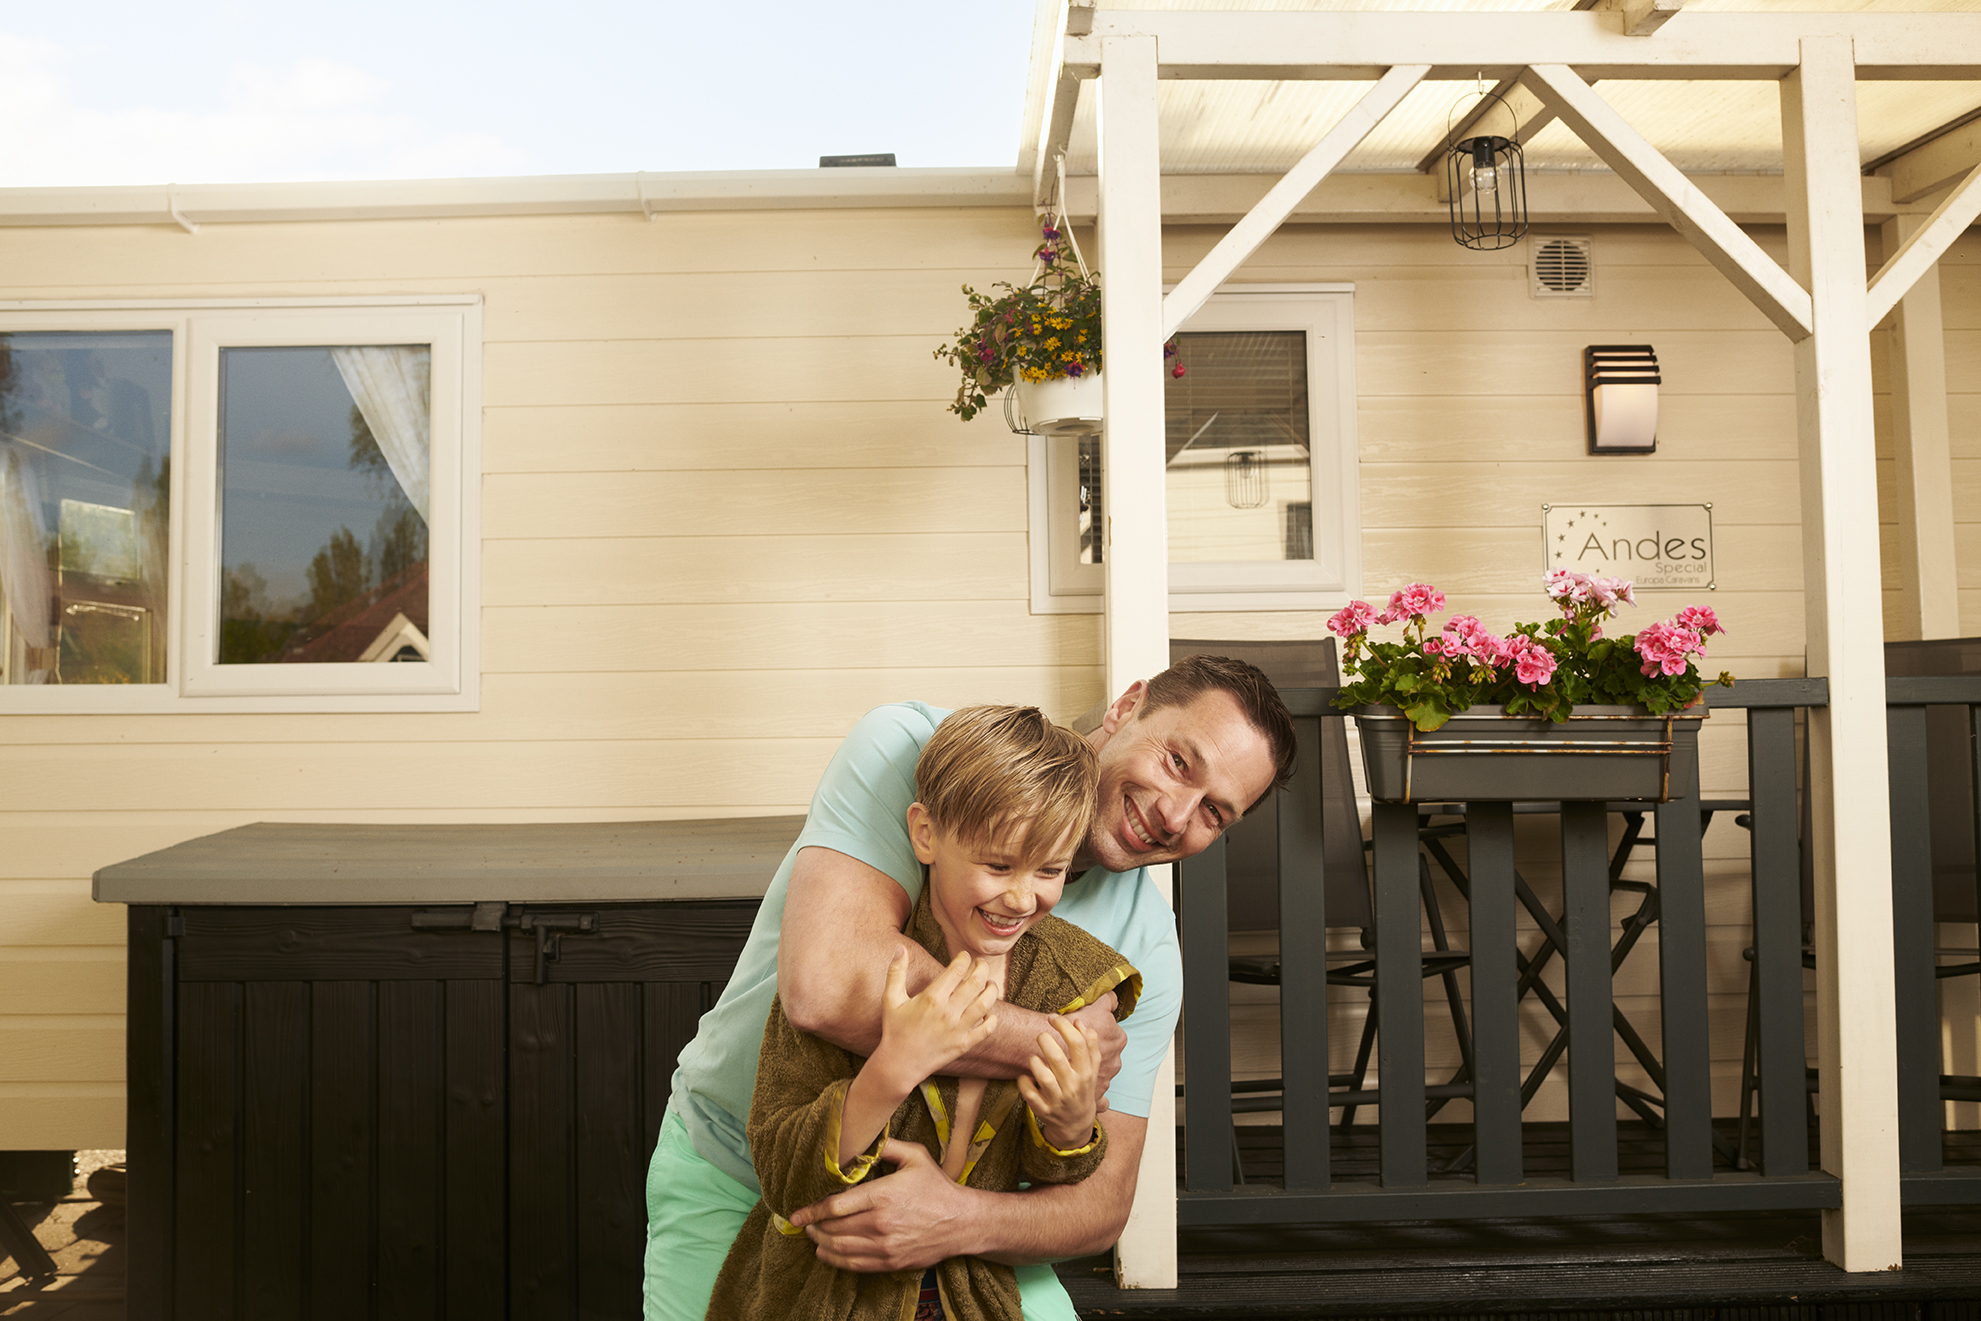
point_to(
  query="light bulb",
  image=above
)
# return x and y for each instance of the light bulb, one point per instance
(1485, 180)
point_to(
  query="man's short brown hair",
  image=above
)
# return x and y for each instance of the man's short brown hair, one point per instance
(1193, 676)
(1007, 774)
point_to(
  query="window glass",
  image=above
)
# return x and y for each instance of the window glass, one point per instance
(85, 475)
(325, 457)
(1237, 448)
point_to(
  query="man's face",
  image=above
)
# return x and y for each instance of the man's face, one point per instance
(1174, 779)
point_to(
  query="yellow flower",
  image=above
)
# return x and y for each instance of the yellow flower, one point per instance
(1052, 343)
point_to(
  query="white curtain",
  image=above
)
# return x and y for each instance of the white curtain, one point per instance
(393, 389)
(23, 548)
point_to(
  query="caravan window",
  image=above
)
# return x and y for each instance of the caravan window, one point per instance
(238, 508)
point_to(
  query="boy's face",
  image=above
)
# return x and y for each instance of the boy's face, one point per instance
(984, 896)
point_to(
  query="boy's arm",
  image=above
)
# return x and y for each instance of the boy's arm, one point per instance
(917, 1217)
(796, 1116)
(842, 924)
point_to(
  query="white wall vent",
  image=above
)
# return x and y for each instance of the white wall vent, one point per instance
(1562, 268)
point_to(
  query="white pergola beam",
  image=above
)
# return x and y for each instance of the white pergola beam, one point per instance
(1922, 453)
(1643, 17)
(1529, 115)
(1244, 238)
(1360, 46)
(1933, 165)
(1850, 837)
(1136, 532)
(1062, 98)
(1923, 249)
(1675, 197)
(1583, 197)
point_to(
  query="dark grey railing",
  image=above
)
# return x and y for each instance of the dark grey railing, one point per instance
(1491, 1076)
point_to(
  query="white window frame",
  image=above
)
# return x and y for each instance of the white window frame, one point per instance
(194, 681)
(1326, 313)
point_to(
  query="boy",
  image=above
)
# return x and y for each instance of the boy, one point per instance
(1003, 801)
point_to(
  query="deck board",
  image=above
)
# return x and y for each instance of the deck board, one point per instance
(1565, 1268)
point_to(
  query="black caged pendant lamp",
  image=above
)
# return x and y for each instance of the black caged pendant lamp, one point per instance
(1486, 182)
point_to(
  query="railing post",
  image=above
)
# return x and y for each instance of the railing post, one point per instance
(1303, 955)
(1495, 993)
(1688, 1057)
(1203, 918)
(1399, 1004)
(1585, 886)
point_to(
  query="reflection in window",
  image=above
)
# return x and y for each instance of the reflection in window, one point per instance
(1240, 485)
(1237, 448)
(85, 474)
(325, 458)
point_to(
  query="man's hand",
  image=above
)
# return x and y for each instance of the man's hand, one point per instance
(1061, 1090)
(1111, 1039)
(922, 1035)
(913, 1218)
(917, 1217)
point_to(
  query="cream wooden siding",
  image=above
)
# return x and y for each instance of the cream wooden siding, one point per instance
(1471, 417)
(724, 513)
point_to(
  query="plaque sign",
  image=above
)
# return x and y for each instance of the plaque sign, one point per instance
(1655, 546)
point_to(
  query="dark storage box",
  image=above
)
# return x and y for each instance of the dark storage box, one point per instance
(1483, 755)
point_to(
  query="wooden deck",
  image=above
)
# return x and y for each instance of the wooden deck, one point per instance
(1732, 1266)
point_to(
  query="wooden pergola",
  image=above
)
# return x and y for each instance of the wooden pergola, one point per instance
(1820, 301)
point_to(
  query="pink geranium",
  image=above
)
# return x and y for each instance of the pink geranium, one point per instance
(1701, 619)
(1668, 647)
(1416, 599)
(1534, 666)
(1352, 620)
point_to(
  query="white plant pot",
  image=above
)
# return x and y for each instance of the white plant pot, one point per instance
(1063, 406)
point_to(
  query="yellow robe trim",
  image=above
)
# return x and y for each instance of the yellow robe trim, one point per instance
(1038, 1136)
(1122, 979)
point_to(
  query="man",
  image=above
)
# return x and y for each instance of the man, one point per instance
(1182, 757)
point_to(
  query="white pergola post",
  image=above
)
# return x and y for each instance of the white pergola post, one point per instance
(1135, 554)
(1851, 844)
(1922, 459)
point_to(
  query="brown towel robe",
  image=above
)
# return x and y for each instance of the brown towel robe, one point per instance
(773, 1271)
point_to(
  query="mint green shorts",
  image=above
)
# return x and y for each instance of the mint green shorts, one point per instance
(695, 1211)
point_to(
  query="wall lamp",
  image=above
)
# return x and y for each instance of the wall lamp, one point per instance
(1620, 395)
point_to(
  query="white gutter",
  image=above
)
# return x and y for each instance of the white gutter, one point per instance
(192, 205)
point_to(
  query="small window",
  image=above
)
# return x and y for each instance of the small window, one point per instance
(85, 507)
(309, 482)
(1260, 433)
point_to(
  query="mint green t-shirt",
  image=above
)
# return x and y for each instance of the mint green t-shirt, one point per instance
(860, 809)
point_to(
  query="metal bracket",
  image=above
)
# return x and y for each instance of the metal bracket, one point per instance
(550, 930)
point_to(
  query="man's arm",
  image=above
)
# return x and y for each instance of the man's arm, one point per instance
(842, 925)
(917, 1217)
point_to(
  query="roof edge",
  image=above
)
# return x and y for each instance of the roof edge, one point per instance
(192, 205)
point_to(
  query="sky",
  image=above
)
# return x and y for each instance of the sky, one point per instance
(243, 91)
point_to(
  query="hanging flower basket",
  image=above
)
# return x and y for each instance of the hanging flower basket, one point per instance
(1063, 405)
(1485, 755)
(1040, 344)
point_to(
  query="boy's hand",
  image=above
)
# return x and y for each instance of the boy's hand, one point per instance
(922, 1035)
(1062, 1087)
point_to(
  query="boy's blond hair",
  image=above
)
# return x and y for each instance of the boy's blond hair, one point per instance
(1010, 772)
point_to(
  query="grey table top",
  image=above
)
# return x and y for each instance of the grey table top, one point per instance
(271, 863)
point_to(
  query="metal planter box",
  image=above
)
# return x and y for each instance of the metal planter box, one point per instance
(1484, 755)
